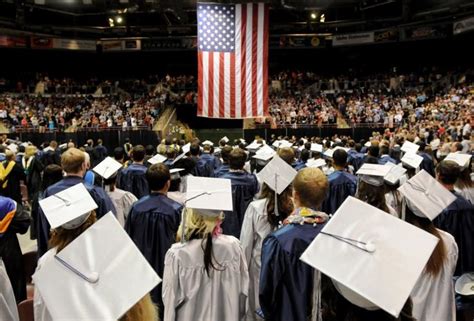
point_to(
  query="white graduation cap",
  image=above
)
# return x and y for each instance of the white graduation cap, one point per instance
(285, 143)
(207, 142)
(465, 284)
(379, 247)
(368, 144)
(425, 196)
(180, 156)
(316, 148)
(276, 143)
(409, 147)
(186, 148)
(461, 159)
(158, 158)
(62, 146)
(277, 174)
(329, 152)
(316, 162)
(254, 146)
(87, 280)
(217, 150)
(174, 172)
(69, 208)
(209, 195)
(242, 140)
(265, 153)
(412, 160)
(108, 167)
(373, 174)
(225, 139)
(395, 174)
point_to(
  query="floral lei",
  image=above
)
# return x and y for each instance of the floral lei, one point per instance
(306, 215)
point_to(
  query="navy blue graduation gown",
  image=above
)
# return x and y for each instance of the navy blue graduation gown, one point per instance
(355, 159)
(286, 282)
(133, 179)
(427, 164)
(341, 185)
(212, 160)
(458, 220)
(244, 188)
(202, 168)
(152, 225)
(222, 170)
(100, 197)
(384, 159)
(299, 164)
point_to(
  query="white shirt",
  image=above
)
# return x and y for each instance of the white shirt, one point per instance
(40, 310)
(8, 309)
(190, 294)
(433, 297)
(122, 201)
(255, 228)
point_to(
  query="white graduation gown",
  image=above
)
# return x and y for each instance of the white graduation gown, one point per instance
(123, 201)
(255, 228)
(40, 310)
(190, 294)
(8, 309)
(433, 297)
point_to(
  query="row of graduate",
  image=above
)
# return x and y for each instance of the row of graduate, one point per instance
(153, 222)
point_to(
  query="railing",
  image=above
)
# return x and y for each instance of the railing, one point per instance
(79, 129)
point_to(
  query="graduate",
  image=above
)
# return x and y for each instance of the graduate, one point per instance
(341, 183)
(208, 155)
(427, 164)
(384, 155)
(433, 294)
(371, 186)
(203, 167)
(286, 283)
(357, 255)
(464, 185)
(224, 167)
(81, 277)
(121, 199)
(153, 222)
(33, 168)
(74, 165)
(458, 218)
(262, 217)
(13, 219)
(205, 275)
(132, 179)
(8, 308)
(392, 181)
(244, 188)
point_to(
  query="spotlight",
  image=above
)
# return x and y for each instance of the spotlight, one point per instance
(119, 19)
(111, 22)
(322, 18)
(313, 15)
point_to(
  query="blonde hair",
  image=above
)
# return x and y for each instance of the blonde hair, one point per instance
(143, 310)
(197, 225)
(9, 155)
(310, 186)
(30, 151)
(72, 160)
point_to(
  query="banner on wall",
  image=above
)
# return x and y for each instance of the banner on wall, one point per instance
(74, 44)
(163, 44)
(12, 42)
(427, 32)
(299, 42)
(463, 25)
(121, 45)
(390, 35)
(353, 39)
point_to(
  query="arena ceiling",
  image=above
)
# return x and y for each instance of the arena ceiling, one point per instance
(131, 18)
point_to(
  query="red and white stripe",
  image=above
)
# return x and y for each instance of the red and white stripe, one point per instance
(235, 85)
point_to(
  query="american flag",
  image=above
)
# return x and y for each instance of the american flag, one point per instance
(232, 60)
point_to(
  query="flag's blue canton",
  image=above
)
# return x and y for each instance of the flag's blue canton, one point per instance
(216, 27)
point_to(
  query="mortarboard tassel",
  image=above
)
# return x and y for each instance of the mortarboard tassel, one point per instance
(276, 196)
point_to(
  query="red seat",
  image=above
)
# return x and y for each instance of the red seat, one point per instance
(25, 310)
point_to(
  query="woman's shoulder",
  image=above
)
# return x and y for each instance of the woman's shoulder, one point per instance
(259, 206)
